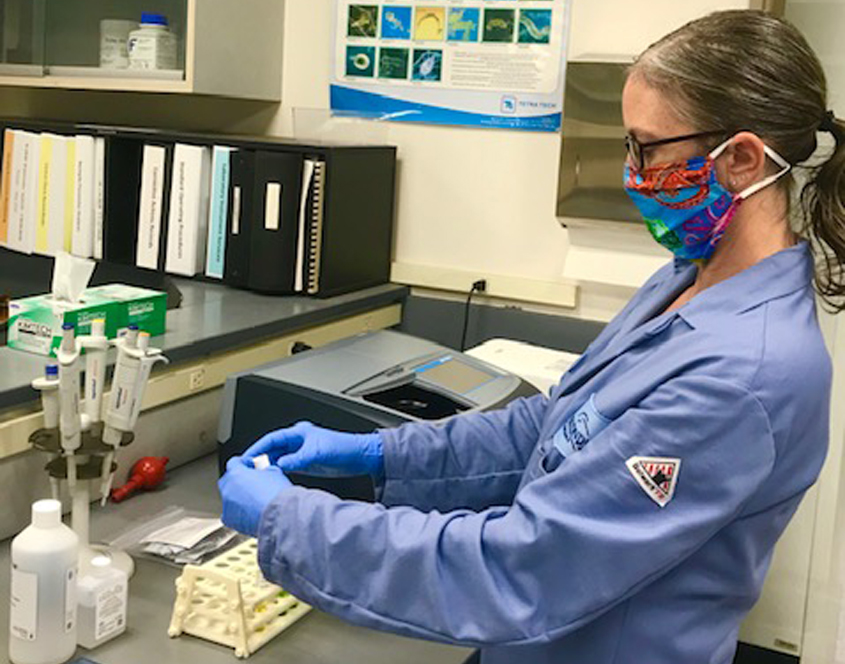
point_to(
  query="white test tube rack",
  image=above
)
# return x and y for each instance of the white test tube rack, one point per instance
(228, 601)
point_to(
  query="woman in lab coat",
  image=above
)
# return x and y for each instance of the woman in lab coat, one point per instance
(630, 516)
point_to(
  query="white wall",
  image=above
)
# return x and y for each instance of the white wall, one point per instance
(477, 200)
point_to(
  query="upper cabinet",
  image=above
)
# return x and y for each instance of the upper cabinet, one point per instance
(227, 48)
(614, 30)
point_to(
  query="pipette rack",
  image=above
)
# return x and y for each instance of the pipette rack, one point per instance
(91, 453)
(228, 601)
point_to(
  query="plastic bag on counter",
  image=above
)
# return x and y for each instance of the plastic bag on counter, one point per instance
(178, 537)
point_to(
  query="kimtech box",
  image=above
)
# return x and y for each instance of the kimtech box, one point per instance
(35, 323)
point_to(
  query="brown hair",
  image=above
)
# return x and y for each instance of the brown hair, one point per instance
(747, 70)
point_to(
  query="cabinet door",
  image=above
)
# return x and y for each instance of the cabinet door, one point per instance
(22, 37)
(602, 28)
(77, 43)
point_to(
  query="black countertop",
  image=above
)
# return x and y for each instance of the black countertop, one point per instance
(212, 319)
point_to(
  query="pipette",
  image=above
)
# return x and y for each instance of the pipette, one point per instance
(96, 346)
(48, 386)
(69, 416)
(135, 361)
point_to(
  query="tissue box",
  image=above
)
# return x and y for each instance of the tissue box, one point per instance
(35, 323)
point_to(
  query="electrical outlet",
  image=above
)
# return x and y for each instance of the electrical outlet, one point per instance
(196, 379)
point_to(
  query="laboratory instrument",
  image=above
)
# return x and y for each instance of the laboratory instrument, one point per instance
(374, 380)
(135, 360)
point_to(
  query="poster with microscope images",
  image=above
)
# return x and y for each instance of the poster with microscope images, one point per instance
(487, 63)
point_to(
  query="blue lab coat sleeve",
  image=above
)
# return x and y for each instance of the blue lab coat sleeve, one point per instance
(576, 541)
(472, 461)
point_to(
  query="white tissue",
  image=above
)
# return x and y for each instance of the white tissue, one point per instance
(70, 277)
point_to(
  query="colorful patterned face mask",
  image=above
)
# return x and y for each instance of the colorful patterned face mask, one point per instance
(685, 207)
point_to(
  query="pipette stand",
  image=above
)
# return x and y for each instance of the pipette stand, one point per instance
(89, 465)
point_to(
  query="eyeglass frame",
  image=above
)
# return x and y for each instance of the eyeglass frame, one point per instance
(638, 157)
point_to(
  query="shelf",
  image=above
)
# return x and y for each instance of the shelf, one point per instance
(97, 83)
(118, 74)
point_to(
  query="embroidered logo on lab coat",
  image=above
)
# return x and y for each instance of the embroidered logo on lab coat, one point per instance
(658, 477)
(580, 429)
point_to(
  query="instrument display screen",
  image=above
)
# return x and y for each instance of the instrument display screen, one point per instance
(453, 375)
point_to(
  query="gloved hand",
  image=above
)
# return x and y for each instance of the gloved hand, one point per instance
(246, 492)
(307, 448)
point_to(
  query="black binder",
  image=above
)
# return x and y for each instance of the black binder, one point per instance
(123, 199)
(351, 204)
(278, 187)
(241, 181)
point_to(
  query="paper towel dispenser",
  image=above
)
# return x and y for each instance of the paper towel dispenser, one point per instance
(593, 146)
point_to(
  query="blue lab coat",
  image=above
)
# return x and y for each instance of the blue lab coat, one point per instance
(526, 531)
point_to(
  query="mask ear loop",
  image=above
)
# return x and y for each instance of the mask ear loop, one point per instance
(765, 182)
(785, 167)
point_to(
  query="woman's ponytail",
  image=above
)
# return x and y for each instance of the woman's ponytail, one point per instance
(823, 199)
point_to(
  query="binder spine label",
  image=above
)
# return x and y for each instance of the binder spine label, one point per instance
(272, 209)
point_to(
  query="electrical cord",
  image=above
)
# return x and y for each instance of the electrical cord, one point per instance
(480, 286)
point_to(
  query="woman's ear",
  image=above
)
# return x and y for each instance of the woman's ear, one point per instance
(743, 163)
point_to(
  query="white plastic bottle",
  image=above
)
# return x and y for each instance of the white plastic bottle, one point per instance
(102, 603)
(114, 35)
(152, 46)
(43, 599)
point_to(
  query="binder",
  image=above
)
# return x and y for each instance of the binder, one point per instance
(84, 197)
(22, 225)
(351, 230)
(188, 218)
(6, 185)
(69, 207)
(236, 268)
(150, 213)
(278, 185)
(312, 239)
(122, 195)
(52, 195)
(218, 213)
(16, 238)
(99, 195)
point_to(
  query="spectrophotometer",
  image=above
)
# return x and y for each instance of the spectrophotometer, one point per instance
(374, 380)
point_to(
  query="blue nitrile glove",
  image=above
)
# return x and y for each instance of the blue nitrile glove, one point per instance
(307, 448)
(246, 492)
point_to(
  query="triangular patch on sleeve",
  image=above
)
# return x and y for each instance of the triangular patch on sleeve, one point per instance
(657, 476)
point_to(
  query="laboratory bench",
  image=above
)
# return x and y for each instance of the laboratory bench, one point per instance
(214, 318)
(216, 331)
(317, 638)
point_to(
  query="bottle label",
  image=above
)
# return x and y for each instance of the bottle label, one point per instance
(24, 604)
(110, 611)
(70, 599)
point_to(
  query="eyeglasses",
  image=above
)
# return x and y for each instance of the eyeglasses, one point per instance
(636, 150)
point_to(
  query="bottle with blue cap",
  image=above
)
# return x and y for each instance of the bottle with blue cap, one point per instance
(152, 46)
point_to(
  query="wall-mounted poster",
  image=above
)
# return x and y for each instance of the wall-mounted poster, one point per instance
(491, 63)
